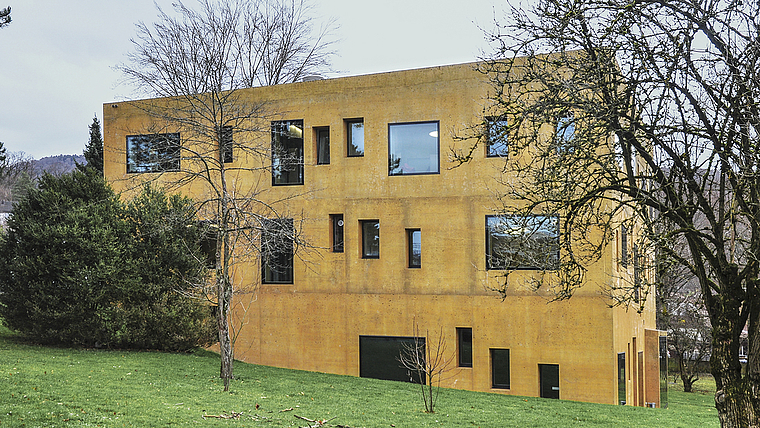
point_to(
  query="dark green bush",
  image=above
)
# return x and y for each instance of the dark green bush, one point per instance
(78, 267)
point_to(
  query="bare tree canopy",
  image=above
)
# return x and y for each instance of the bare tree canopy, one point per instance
(226, 46)
(645, 116)
(214, 138)
(5, 16)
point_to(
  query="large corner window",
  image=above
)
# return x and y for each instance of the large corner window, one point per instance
(464, 346)
(287, 152)
(496, 137)
(277, 251)
(500, 378)
(413, 148)
(522, 242)
(370, 239)
(153, 152)
(225, 144)
(355, 137)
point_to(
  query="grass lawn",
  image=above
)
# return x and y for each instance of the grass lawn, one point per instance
(52, 387)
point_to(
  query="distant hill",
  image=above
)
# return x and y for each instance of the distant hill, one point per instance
(58, 164)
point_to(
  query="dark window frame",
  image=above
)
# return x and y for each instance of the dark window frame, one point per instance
(494, 263)
(497, 142)
(394, 164)
(358, 152)
(151, 159)
(226, 144)
(277, 262)
(497, 377)
(413, 262)
(323, 145)
(287, 161)
(464, 351)
(337, 233)
(367, 248)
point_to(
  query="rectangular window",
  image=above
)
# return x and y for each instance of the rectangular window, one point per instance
(287, 152)
(565, 133)
(522, 242)
(355, 137)
(621, 378)
(464, 346)
(414, 248)
(370, 239)
(225, 144)
(323, 145)
(277, 251)
(623, 245)
(496, 137)
(413, 148)
(500, 368)
(153, 153)
(336, 226)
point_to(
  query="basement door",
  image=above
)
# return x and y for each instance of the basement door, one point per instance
(549, 374)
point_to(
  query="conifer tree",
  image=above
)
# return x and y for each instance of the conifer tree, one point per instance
(93, 151)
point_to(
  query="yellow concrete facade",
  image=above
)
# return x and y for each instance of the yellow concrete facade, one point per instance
(316, 322)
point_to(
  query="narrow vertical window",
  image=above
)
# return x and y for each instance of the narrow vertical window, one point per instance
(464, 346)
(225, 144)
(414, 248)
(287, 152)
(277, 251)
(370, 239)
(496, 137)
(621, 378)
(500, 368)
(565, 132)
(336, 225)
(323, 146)
(623, 246)
(355, 137)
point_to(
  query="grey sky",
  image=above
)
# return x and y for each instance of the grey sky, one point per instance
(56, 57)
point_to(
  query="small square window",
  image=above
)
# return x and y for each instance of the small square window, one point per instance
(497, 130)
(355, 137)
(464, 346)
(414, 247)
(323, 145)
(336, 226)
(500, 368)
(370, 239)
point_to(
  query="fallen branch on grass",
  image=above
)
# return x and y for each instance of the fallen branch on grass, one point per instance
(317, 423)
(232, 415)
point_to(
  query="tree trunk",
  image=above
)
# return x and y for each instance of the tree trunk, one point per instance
(736, 396)
(225, 344)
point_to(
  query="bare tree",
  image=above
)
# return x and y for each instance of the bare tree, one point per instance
(616, 111)
(198, 63)
(17, 176)
(428, 362)
(5, 16)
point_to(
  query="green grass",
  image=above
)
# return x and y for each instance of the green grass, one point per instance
(52, 387)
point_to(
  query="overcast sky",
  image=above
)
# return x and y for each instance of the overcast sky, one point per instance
(56, 57)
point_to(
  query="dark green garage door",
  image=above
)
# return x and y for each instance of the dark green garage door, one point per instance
(379, 357)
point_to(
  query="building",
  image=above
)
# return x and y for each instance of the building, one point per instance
(404, 242)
